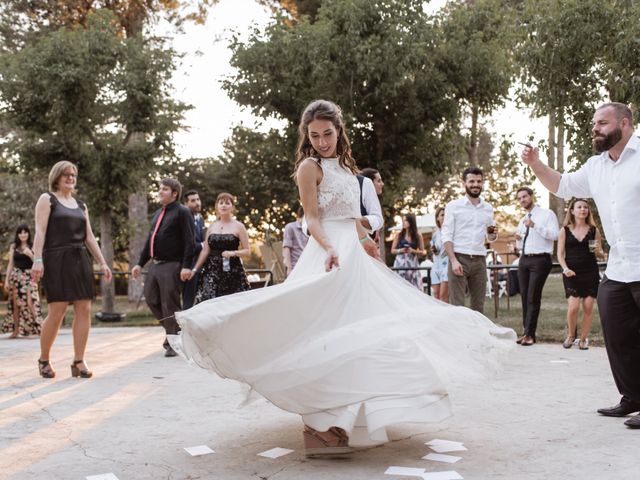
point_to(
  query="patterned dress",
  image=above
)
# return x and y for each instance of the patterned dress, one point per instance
(27, 301)
(410, 260)
(214, 281)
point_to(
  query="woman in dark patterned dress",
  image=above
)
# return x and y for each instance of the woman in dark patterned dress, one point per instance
(578, 245)
(227, 240)
(61, 247)
(23, 311)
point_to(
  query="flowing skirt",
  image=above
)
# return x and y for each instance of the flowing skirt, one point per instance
(27, 304)
(357, 347)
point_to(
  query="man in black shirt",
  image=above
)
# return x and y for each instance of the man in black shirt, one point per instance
(170, 247)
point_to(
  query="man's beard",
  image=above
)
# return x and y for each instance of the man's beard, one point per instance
(602, 144)
(473, 194)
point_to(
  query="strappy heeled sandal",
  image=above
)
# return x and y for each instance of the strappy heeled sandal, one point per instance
(583, 344)
(568, 343)
(76, 372)
(332, 442)
(44, 371)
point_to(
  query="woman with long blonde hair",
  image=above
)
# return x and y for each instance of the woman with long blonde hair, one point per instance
(579, 243)
(343, 342)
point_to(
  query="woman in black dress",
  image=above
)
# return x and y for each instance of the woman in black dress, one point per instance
(227, 240)
(23, 313)
(62, 244)
(578, 245)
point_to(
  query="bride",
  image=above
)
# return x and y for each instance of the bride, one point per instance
(344, 342)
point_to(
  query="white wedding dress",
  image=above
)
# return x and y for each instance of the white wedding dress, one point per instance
(358, 347)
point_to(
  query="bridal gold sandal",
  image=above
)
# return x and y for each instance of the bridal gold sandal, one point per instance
(332, 442)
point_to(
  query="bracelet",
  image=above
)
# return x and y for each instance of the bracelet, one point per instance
(37, 260)
(194, 270)
(364, 239)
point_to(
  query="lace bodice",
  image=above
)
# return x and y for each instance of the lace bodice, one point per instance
(338, 192)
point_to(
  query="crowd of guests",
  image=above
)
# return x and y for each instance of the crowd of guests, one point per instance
(179, 252)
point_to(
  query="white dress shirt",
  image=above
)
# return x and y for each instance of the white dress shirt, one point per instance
(543, 233)
(615, 187)
(465, 225)
(371, 205)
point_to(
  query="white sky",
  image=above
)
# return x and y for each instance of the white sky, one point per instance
(206, 63)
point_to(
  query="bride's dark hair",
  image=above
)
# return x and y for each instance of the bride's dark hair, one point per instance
(323, 110)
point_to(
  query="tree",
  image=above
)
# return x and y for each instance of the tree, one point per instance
(377, 61)
(476, 57)
(562, 76)
(22, 21)
(80, 94)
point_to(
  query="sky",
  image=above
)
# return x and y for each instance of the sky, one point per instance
(206, 63)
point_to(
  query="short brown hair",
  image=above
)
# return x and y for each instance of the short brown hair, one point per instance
(226, 196)
(525, 189)
(174, 185)
(57, 171)
(622, 110)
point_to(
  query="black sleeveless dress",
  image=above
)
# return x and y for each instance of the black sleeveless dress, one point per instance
(214, 281)
(584, 263)
(68, 270)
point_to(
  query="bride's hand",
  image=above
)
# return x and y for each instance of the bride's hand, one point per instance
(331, 260)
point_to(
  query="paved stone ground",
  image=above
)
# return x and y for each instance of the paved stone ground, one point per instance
(536, 421)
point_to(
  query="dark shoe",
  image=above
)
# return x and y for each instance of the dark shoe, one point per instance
(170, 352)
(520, 339)
(527, 341)
(45, 369)
(77, 372)
(633, 422)
(623, 409)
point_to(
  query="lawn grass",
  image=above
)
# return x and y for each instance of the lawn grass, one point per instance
(551, 324)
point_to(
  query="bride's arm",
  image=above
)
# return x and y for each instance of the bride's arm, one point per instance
(308, 177)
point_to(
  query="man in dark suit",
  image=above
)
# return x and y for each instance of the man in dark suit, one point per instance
(192, 202)
(169, 247)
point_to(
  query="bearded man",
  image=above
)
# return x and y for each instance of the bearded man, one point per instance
(612, 179)
(468, 225)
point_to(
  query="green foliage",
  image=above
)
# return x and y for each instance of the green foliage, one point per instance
(79, 94)
(256, 168)
(562, 53)
(18, 196)
(377, 60)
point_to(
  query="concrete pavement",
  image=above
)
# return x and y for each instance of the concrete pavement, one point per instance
(535, 421)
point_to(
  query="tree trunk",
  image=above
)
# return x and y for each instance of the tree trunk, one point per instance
(472, 149)
(551, 156)
(107, 289)
(559, 210)
(138, 228)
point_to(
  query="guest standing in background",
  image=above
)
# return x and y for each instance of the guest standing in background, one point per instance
(169, 247)
(219, 264)
(407, 246)
(537, 231)
(24, 316)
(62, 244)
(578, 245)
(468, 225)
(439, 270)
(192, 202)
(293, 242)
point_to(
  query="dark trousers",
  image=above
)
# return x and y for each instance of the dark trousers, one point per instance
(189, 292)
(532, 274)
(162, 290)
(619, 306)
(474, 280)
